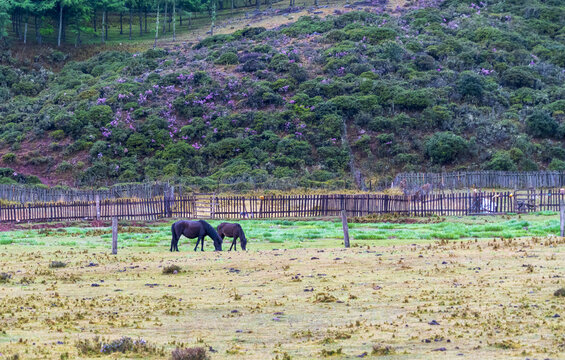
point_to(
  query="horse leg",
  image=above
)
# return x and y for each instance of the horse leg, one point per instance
(202, 244)
(235, 242)
(196, 247)
(231, 245)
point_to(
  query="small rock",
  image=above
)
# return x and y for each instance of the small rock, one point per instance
(440, 349)
(314, 258)
(433, 322)
(94, 285)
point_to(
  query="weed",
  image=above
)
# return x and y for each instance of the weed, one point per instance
(560, 292)
(382, 350)
(285, 356)
(57, 264)
(124, 344)
(171, 269)
(5, 277)
(195, 353)
(327, 353)
(507, 344)
(324, 298)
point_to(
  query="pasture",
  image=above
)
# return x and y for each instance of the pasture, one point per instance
(444, 288)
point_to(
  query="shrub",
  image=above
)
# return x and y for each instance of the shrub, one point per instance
(541, 124)
(228, 58)
(556, 165)
(171, 269)
(9, 158)
(279, 63)
(519, 76)
(123, 345)
(470, 85)
(57, 135)
(27, 88)
(424, 62)
(57, 264)
(5, 277)
(415, 99)
(501, 161)
(197, 353)
(64, 166)
(560, 292)
(445, 147)
(99, 115)
(308, 25)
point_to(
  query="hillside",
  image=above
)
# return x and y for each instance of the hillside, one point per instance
(320, 102)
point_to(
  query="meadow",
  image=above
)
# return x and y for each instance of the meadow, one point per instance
(439, 288)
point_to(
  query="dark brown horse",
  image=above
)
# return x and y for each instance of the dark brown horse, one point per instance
(235, 231)
(193, 229)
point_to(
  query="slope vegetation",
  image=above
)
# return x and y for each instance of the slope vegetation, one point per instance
(448, 85)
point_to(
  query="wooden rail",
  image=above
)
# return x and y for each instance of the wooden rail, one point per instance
(286, 206)
(483, 179)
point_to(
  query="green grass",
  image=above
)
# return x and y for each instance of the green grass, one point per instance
(291, 234)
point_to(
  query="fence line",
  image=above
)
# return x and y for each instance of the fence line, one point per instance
(483, 179)
(286, 206)
(26, 194)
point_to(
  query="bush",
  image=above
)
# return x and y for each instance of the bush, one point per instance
(171, 269)
(501, 161)
(519, 76)
(470, 84)
(541, 124)
(5, 277)
(197, 353)
(57, 264)
(123, 345)
(9, 158)
(556, 165)
(228, 58)
(27, 88)
(415, 99)
(445, 147)
(57, 135)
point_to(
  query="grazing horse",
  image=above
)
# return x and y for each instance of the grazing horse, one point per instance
(193, 229)
(235, 231)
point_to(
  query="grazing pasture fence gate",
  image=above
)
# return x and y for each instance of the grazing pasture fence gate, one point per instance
(210, 206)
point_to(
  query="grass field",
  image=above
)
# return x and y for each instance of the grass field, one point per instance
(414, 291)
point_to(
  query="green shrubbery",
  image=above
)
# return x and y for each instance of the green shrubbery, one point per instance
(431, 89)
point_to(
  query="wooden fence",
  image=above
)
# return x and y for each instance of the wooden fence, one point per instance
(24, 194)
(293, 206)
(483, 179)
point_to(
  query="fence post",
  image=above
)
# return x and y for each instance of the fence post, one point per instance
(97, 206)
(171, 200)
(562, 217)
(114, 235)
(345, 228)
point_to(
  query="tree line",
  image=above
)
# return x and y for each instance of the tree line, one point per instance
(68, 20)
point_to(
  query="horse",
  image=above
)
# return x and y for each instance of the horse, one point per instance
(193, 229)
(235, 231)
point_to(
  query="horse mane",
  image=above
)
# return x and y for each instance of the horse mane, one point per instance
(242, 234)
(211, 232)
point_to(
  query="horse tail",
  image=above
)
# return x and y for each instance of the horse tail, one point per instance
(211, 232)
(242, 237)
